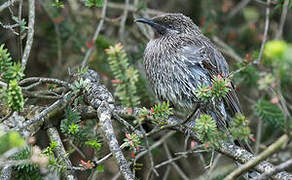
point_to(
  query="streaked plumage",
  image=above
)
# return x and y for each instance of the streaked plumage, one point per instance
(179, 59)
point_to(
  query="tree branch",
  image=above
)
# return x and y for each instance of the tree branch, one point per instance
(256, 160)
(30, 33)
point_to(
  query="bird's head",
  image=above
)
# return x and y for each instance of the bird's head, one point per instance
(171, 25)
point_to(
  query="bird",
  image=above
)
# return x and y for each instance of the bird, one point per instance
(178, 60)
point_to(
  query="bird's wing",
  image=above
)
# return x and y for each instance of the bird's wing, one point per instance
(202, 51)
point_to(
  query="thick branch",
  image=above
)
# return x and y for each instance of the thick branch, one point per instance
(278, 168)
(250, 164)
(60, 151)
(101, 99)
(237, 153)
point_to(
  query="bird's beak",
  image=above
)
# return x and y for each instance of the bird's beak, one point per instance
(158, 27)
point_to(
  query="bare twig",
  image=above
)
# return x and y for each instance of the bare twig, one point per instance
(165, 176)
(283, 19)
(258, 135)
(176, 167)
(6, 4)
(60, 104)
(19, 37)
(237, 8)
(256, 160)
(267, 23)
(278, 168)
(97, 31)
(149, 152)
(10, 27)
(29, 39)
(3, 84)
(226, 49)
(123, 22)
(132, 8)
(44, 80)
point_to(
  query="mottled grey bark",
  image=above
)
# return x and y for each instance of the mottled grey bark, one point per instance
(101, 99)
(60, 152)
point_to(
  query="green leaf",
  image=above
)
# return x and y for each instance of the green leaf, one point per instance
(100, 168)
(270, 113)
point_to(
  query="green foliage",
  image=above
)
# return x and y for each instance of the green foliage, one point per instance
(5, 60)
(82, 70)
(8, 70)
(22, 23)
(207, 130)
(274, 51)
(14, 98)
(10, 140)
(100, 168)
(270, 113)
(239, 128)
(11, 73)
(96, 3)
(248, 76)
(49, 151)
(125, 76)
(94, 144)
(26, 171)
(55, 164)
(79, 86)
(219, 88)
(160, 112)
(58, 4)
(69, 126)
(79, 133)
(266, 80)
(142, 116)
(133, 141)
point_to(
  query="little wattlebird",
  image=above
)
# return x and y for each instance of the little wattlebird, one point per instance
(178, 60)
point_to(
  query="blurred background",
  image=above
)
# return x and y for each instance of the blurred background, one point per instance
(64, 32)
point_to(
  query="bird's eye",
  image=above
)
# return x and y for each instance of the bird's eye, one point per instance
(170, 26)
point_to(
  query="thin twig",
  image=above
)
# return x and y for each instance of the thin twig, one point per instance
(30, 34)
(3, 84)
(19, 37)
(6, 4)
(149, 152)
(176, 167)
(123, 22)
(97, 31)
(258, 135)
(283, 19)
(256, 160)
(10, 27)
(238, 7)
(132, 8)
(226, 49)
(44, 80)
(216, 160)
(267, 23)
(165, 176)
(57, 105)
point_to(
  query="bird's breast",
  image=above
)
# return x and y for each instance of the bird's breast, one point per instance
(171, 75)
